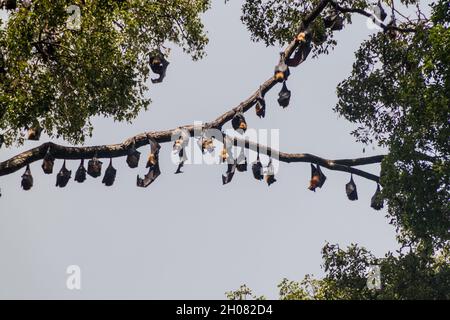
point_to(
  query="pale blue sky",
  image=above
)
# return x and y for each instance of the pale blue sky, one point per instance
(178, 238)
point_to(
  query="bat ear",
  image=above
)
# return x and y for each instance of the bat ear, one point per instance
(80, 174)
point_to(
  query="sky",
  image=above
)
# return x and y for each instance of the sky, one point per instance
(187, 236)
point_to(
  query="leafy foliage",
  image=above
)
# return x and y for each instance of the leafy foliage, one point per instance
(411, 275)
(57, 78)
(399, 95)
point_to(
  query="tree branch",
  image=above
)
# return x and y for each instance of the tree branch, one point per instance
(120, 150)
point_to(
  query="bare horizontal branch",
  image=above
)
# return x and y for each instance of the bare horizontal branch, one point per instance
(120, 150)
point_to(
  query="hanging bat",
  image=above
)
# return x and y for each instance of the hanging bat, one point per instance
(241, 162)
(151, 176)
(94, 167)
(238, 122)
(350, 189)
(206, 143)
(281, 72)
(153, 157)
(48, 162)
(110, 175)
(34, 134)
(228, 176)
(270, 173)
(224, 154)
(80, 174)
(260, 107)
(317, 178)
(2, 62)
(284, 96)
(27, 179)
(301, 53)
(257, 169)
(379, 12)
(158, 64)
(63, 176)
(377, 199)
(183, 158)
(301, 37)
(133, 156)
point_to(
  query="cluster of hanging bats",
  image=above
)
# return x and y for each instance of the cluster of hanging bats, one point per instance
(205, 142)
(158, 65)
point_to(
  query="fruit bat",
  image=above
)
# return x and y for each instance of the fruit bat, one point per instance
(301, 53)
(80, 174)
(10, 4)
(284, 96)
(182, 139)
(48, 162)
(94, 167)
(133, 157)
(158, 64)
(241, 162)
(377, 199)
(151, 176)
(260, 107)
(270, 173)
(183, 158)
(153, 157)
(301, 37)
(225, 153)
(350, 189)
(2, 63)
(27, 179)
(228, 176)
(206, 143)
(110, 175)
(152, 164)
(281, 72)
(317, 178)
(257, 169)
(63, 176)
(334, 22)
(34, 134)
(238, 122)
